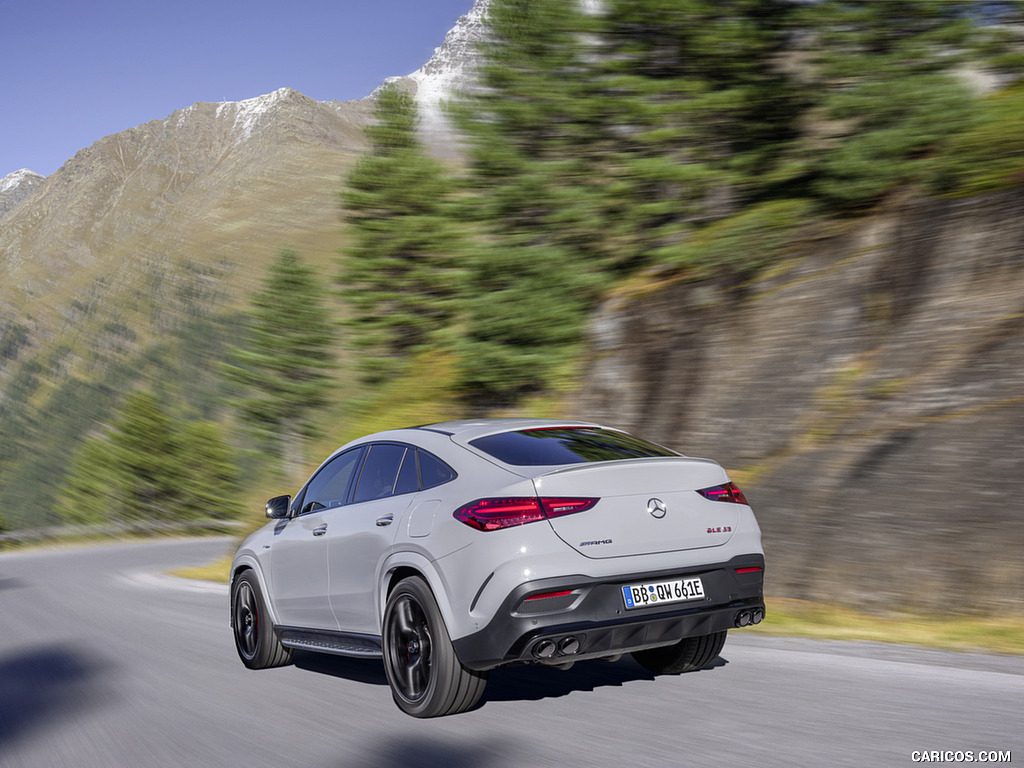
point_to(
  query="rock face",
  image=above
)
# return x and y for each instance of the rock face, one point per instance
(15, 187)
(868, 395)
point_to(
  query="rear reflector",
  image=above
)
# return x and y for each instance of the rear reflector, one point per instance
(495, 514)
(748, 570)
(547, 595)
(728, 492)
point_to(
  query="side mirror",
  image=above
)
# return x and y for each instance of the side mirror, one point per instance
(277, 507)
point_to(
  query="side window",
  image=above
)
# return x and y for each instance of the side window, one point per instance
(433, 471)
(327, 488)
(380, 472)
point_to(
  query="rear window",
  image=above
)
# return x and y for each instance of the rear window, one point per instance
(565, 445)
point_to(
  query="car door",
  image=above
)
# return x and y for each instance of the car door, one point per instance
(300, 551)
(362, 533)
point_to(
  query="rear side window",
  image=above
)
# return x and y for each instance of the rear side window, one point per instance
(433, 471)
(565, 445)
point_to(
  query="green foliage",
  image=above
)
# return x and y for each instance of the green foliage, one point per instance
(598, 142)
(536, 196)
(700, 134)
(13, 338)
(149, 468)
(400, 274)
(91, 494)
(885, 74)
(145, 452)
(990, 155)
(286, 362)
(740, 245)
(701, 110)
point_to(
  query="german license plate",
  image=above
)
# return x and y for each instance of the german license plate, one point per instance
(661, 592)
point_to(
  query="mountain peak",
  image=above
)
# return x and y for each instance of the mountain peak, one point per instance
(14, 187)
(451, 69)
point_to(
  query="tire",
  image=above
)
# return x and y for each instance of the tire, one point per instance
(688, 655)
(255, 641)
(426, 677)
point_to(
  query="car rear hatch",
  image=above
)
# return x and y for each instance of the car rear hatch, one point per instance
(646, 506)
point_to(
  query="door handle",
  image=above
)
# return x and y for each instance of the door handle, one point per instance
(385, 520)
(320, 530)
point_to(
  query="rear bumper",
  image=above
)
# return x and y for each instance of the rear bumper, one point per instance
(591, 621)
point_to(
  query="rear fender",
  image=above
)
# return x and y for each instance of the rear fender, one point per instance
(417, 562)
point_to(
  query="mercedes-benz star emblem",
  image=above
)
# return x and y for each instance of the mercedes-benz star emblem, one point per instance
(657, 508)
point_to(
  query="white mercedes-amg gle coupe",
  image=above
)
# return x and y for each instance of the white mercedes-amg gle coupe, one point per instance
(450, 549)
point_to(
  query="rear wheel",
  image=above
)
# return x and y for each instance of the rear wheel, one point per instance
(255, 641)
(688, 655)
(426, 677)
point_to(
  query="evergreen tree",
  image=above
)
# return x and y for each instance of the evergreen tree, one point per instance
(209, 475)
(598, 140)
(145, 452)
(93, 491)
(703, 111)
(400, 274)
(885, 72)
(149, 468)
(287, 361)
(540, 255)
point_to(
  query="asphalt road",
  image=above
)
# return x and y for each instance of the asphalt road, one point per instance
(105, 662)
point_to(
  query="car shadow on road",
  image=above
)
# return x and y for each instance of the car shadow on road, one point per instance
(436, 752)
(370, 671)
(10, 583)
(529, 682)
(534, 682)
(41, 687)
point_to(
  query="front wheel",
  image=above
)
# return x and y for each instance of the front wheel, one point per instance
(426, 677)
(688, 655)
(255, 641)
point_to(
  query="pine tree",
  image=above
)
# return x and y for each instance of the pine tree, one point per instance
(149, 468)
(208, 488)
(286, 363)
(93, 491)
(702, 109)
(885, 72)
(539, 258)
(400, 273)
(598, 140)
(144, 448)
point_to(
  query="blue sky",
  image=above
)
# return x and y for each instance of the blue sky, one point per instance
(77, 71)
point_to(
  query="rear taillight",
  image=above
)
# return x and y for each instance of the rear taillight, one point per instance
(495, 514)
(728, 492)
(559, 507)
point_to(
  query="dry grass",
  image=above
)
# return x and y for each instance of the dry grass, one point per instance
(800, 618)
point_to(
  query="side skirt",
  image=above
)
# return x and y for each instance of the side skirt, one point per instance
(338, 643)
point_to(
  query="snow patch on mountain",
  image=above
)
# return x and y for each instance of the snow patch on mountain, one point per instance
(452, 69)
(249, 112)
(15, 187)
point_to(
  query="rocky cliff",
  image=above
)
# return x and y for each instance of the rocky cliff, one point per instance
(867, 394)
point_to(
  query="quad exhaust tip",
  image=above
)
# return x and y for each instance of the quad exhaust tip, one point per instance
(566, 646)
(747, 618)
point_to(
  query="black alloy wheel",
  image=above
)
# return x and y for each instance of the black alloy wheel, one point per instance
(255, 641)
(247, 621)
(426, 677)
